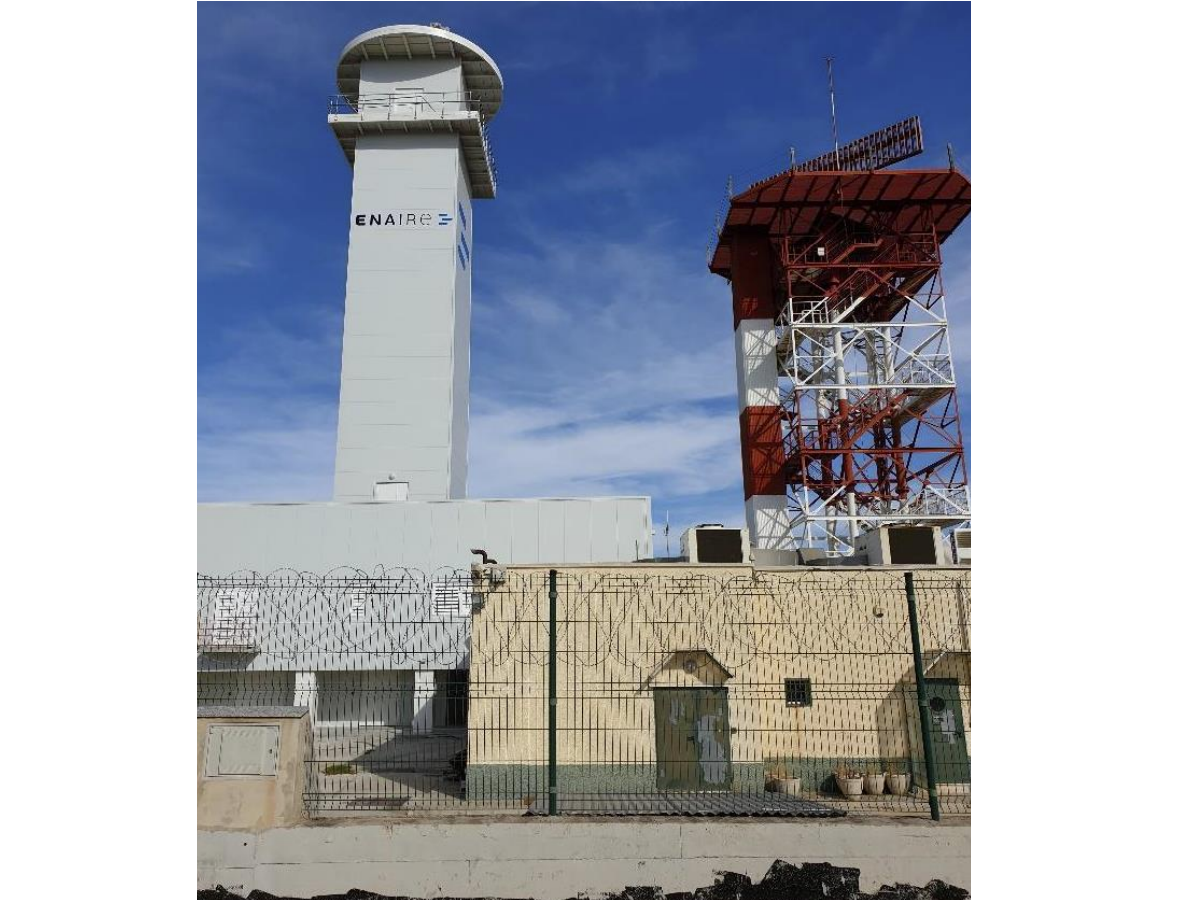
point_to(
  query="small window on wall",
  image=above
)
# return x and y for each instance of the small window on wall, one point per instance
(798, 691)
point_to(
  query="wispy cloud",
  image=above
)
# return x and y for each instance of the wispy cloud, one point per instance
(267, 410)
(667, 454)
(253, 450)
(616, 374)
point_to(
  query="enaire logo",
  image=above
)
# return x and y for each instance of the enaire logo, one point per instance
(418, 218)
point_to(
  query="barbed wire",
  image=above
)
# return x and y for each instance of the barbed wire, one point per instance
(287, 616)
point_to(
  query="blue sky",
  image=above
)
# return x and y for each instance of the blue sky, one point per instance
(602, 354)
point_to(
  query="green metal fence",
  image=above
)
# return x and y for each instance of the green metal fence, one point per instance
(609, 690)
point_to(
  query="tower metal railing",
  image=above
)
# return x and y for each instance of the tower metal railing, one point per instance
(419, 105)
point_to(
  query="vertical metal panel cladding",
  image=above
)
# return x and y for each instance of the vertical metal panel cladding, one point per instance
(499, 522)
(604, 531)
(753, 285)
(336, 541)
(762, 450)
(769, 522)
(472, 529)
(319, 537)
(757, 367)
(418, 527)
(577, 530)
(551, 526)
(633, 531)
(444, 533)
(524, 532)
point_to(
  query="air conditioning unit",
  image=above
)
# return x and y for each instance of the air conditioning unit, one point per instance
(715, 544)
(962, 546)
(902, 545)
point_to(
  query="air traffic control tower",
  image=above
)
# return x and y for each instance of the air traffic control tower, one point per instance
(411, 117)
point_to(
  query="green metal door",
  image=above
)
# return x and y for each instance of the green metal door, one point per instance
(952, 764)
(691, 728)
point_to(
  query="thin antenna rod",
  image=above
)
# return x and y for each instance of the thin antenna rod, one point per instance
(833, 112)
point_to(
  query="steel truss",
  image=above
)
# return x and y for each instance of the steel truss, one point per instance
(871, 421)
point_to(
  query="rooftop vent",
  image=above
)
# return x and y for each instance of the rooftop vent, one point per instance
(230, 624)
(451, 596)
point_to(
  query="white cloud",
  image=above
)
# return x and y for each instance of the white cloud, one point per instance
(267, 411)
(268, 451)
(679, 454)
(623, 381)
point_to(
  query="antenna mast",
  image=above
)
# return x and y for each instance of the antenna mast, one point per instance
(833, 112)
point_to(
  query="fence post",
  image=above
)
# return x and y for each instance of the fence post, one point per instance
(552, 689)
(922, 696)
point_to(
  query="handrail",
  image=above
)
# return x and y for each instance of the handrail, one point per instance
(459, 101)
(431, 104)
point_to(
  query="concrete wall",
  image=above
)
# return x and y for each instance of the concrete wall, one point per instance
(254, 802)
(389, 76)
(627, 629)
(550, 860)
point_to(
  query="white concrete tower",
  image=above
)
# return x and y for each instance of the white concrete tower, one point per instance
(412, 118)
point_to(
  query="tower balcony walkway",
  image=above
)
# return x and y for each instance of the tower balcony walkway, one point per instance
(420, 112)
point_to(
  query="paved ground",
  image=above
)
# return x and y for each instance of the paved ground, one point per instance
(392, 772)
(388, 769)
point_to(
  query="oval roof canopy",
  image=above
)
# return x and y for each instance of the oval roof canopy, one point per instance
(481, 75)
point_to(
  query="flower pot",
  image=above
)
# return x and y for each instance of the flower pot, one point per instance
(790, 786)
(851, 788)
(873, 784)
(898, 784)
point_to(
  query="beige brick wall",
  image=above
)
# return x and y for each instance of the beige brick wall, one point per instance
(623, 631)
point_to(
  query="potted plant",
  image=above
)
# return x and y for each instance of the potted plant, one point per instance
(849, 782)
(897, 780)
(873, 781)
(781, 781)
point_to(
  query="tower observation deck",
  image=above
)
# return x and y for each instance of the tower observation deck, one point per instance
(849, 408)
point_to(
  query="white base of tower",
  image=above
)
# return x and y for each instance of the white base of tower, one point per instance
(769, 523)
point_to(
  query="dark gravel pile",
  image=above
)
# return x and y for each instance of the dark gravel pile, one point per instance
(783, 881)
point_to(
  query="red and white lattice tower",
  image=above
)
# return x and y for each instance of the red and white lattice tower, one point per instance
(846, 389)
